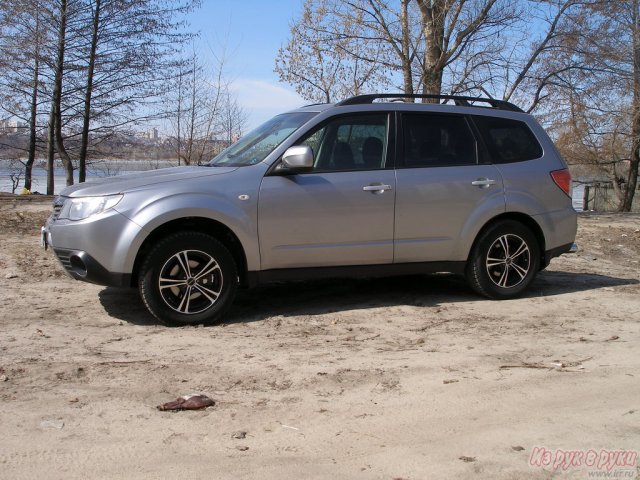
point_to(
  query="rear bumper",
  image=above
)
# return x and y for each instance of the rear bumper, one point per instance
(556, 252)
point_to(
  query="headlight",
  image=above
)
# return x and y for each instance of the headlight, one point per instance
(83, 207)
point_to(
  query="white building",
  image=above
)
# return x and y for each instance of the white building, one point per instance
(11, 126)
(153, 134)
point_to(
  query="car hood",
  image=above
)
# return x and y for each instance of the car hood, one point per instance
(134, 181)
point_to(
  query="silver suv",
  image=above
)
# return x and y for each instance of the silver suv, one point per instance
(365, 187)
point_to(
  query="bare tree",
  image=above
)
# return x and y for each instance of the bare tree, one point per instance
(23, 34)
(630, 18)
(451, 28)
(600, 91)
(233, 119)
(420, 41)
(125, 65)
(96, 17)
(206, 112)
(325, 58)
(55, 140)
(101, 65)
(16, 170)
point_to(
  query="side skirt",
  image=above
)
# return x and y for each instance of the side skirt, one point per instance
(355, 271)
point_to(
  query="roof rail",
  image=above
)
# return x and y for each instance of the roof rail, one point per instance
(457, 99)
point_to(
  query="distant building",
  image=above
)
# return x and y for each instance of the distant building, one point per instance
(153, 134)
(12, 126)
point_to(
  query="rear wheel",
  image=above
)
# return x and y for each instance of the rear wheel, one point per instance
(504, 260)
(188, 278)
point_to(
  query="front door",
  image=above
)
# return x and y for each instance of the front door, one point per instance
(341, 212)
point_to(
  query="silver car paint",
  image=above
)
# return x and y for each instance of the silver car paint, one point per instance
(438, 207)
(154, 198)
(143, 209)
(326, 219)
(133, 181)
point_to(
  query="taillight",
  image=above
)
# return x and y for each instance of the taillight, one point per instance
(563, 180)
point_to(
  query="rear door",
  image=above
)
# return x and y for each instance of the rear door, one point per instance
(341, 212)
(444, 190)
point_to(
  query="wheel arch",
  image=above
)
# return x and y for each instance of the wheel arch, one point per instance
(196, 224)
(522, 218)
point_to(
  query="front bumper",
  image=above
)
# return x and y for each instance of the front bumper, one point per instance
(82, 266)
(100, 249)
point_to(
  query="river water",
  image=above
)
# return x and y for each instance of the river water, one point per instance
(120, 167)
(103, 168)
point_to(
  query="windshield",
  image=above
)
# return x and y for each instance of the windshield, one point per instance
(257, 144)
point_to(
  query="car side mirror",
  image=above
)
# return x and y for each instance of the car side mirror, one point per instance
(297, 159)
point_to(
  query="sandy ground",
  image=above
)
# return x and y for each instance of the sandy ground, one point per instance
(406, 378)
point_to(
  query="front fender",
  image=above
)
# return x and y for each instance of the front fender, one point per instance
(153, 212)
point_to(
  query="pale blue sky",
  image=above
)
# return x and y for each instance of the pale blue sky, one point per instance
(253, 31)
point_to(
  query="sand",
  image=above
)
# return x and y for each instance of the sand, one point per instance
(404, 378)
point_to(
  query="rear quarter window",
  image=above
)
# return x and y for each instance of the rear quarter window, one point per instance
(508, 140)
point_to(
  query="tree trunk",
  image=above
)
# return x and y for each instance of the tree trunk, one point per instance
(433, 14)
(51, 151)
(84, 143)
(192, 114)
(57, 95)
(34, 109)
(55, 117)
(407, 72)
(179, 117)
(632, 179)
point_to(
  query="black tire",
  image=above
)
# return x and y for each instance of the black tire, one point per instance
(199, 279)
(504, 261)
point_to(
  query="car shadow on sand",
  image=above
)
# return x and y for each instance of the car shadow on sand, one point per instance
(320, 297)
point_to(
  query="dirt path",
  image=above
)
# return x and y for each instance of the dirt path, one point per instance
(406, 378)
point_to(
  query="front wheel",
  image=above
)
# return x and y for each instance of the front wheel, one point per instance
(504, 260)
(188, 278)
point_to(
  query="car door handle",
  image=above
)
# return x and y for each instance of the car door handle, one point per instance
(483, 182)
(376, 188)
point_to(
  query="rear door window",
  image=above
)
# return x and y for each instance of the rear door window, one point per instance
(508, 140)
(433, 140)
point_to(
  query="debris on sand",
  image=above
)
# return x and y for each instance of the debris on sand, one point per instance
(194, 401)
(575, 363)
(240, 434)
(56, 424)
(467, 459)
(526, 365)
(555, 365)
